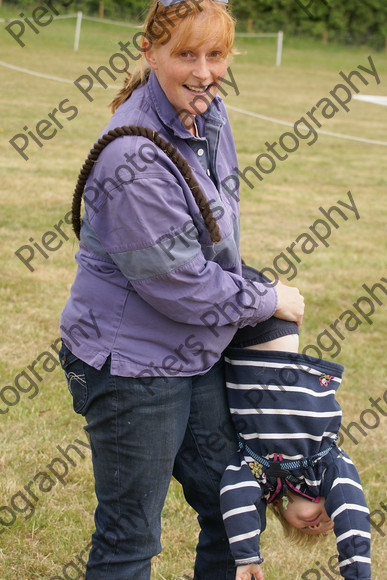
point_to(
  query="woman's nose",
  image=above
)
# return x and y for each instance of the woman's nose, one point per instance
(201, 70)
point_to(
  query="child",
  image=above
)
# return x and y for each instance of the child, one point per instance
(287, 419)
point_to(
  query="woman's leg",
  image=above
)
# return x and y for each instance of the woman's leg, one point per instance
(135, 434)
(208, 445)
(136, 428)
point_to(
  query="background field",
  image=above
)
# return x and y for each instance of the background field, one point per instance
(36, 194)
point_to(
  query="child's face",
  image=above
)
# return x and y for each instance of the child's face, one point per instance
(306, 515)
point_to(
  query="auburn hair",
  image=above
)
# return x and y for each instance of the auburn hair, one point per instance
(162, 20)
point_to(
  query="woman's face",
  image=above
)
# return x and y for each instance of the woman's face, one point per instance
(190, 77)
(308, 516)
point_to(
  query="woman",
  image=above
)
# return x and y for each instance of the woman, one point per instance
(157, 297)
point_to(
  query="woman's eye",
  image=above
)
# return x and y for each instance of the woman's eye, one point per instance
(186, 54)
(216, 54)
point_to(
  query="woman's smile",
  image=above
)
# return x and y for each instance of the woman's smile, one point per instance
(201, 90)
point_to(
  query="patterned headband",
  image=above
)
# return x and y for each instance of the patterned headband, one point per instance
(171, 2)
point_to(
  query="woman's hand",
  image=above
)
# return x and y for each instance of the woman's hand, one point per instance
(290, 304)
(245, 572)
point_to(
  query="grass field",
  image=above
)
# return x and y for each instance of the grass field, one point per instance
(42, 531)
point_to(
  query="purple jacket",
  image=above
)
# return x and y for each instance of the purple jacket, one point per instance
(151, 289)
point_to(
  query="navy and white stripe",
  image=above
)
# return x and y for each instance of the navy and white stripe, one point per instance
(284, 403)
(239, 495)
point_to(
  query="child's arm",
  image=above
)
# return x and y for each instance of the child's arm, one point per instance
(345, 504)
(240, 494)
(245, 572)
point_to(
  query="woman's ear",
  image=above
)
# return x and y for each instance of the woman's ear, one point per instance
(149, 53)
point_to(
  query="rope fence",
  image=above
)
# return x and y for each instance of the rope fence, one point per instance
(79, 16)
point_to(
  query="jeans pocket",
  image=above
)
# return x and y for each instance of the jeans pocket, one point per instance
(74, 370)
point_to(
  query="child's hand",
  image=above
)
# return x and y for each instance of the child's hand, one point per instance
(245, 572)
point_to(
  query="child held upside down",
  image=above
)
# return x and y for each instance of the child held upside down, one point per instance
(287, 419)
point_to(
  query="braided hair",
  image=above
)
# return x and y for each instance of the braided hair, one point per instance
(173, 154)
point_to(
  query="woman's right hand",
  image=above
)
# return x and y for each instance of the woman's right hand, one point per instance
(290, 304)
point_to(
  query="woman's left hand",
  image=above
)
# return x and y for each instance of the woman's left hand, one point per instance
(290, 304)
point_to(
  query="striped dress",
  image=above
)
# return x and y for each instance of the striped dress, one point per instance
(283, 407)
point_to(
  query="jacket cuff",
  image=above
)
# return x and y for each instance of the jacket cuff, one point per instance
(251, 560)
(265, 289)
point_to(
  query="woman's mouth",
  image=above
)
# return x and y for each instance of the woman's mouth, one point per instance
(198, 90)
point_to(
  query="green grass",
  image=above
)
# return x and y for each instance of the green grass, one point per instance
(37, 194)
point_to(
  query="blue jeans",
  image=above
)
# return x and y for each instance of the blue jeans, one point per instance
(143, 431)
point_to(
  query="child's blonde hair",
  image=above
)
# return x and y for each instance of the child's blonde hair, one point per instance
(159, 23)
(295, 535)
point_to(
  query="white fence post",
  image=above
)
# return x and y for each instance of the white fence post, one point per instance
(280, 39)
(77, 30)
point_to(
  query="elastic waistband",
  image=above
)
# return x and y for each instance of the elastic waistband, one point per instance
(304, 361)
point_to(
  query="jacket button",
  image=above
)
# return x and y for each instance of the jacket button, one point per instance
(200, 152)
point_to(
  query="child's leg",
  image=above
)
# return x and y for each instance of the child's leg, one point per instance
(272, 334)
(288, 343)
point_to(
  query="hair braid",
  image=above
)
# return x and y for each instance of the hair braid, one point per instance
(169, 150)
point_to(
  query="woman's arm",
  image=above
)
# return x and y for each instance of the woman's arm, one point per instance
(149, 229)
